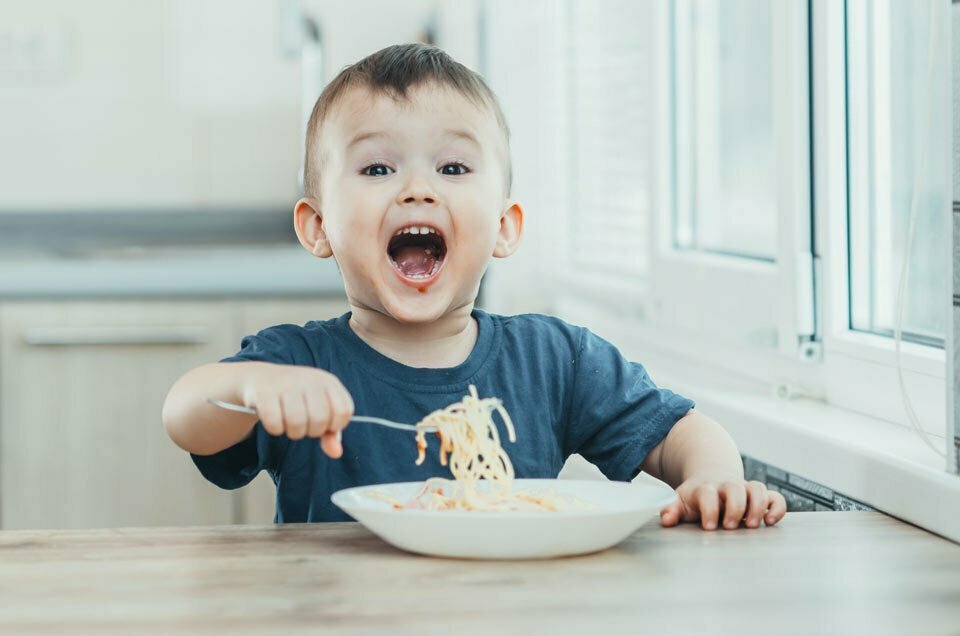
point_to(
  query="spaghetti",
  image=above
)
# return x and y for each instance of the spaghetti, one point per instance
(469, 436)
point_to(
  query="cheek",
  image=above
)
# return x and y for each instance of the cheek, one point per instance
(356, 227)
(488, 222)
(477, 238)
(476, 213)
(358, 246)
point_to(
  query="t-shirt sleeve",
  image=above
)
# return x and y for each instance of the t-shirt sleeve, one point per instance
(617, 414)
(239, 464)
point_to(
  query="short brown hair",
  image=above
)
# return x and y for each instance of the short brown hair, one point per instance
(393, 71)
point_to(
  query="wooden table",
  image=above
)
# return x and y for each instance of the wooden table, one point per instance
(815, 573)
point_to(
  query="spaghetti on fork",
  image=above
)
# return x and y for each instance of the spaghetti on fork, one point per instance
(470, 443)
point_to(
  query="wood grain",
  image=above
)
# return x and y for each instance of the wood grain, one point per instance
(816, 573)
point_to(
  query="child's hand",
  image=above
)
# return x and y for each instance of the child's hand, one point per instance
(300, 402)
(733, 501)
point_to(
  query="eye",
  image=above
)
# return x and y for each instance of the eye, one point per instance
(377, 170)
(454, 169)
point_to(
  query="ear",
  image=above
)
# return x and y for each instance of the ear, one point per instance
(308, 223)
(511, 228)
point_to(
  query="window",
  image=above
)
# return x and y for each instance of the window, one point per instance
(726, 180)
(732, 247)
(752, 164)
(867, 123)
(897, 108)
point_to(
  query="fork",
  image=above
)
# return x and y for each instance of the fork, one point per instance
(366, 419)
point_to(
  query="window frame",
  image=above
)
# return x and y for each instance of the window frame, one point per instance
(844, 367)
(685, 277)
(869, 359)
(760, 337)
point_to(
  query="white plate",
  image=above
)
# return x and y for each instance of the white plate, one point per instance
(618, 508)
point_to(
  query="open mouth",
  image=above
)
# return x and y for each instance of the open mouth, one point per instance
(417, 252)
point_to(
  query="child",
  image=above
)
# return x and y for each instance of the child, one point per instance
(407, 184)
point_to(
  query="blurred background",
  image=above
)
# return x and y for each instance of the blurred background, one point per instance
(730, 187)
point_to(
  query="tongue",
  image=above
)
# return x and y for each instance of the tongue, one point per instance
(415, 260)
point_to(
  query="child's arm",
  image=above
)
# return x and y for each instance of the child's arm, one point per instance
(293, 400)
(699, 458)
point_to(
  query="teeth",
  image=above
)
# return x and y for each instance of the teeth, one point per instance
(416, 229)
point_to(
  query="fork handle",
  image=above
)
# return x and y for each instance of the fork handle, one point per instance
(382, 422)
(355, 418)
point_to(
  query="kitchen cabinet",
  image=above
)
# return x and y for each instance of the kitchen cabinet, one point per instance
(82, 386)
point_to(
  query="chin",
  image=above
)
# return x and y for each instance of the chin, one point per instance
(412, 313)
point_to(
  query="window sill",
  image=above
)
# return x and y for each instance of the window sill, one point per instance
(879, 463)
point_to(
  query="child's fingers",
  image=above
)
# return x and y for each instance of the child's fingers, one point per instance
(708, 502)
(757, 503)
(341, 407)
(318, 413)
(271, 416)
(748, 501)
(778, 508)
(670, 515)
(330, 443)
(734, 497)
(294, 415)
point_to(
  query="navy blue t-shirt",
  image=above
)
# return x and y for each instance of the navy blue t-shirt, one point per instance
(566, 389)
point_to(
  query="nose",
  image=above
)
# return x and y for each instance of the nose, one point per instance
(417, 190)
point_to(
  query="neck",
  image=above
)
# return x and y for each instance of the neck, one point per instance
(443, 343)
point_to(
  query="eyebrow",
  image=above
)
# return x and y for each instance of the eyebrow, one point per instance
(462, 134)
(363, 136)
(375, 134)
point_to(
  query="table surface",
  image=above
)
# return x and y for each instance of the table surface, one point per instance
(814, 573)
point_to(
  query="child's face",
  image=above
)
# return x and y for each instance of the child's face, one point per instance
(391, 168)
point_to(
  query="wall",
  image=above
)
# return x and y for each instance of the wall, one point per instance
(112, 105)
(523, 51)
(352, 30)
(117, 105)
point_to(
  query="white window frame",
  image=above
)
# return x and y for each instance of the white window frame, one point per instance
(859, 369)
(712, 305)
(714, 311)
